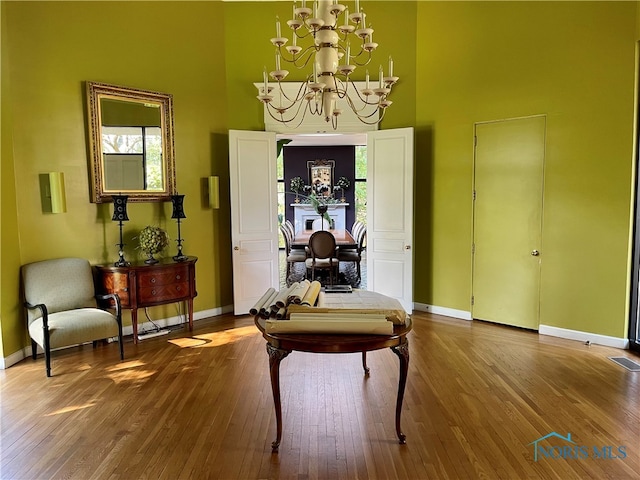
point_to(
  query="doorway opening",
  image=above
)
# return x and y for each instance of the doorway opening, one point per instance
(352, 168)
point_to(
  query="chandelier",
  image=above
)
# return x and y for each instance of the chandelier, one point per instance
(339, 42)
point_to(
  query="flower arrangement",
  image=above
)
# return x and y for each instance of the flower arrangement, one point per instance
(152, 240)
(297, 186)
(343, 183)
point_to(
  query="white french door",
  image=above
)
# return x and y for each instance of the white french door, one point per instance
(390, 214)
(254, 216)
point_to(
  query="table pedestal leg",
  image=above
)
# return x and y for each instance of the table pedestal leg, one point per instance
(364, 363)
(402, 351)
(275, 357)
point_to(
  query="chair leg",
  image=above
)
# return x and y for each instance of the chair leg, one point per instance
(34, 350)
(47, 354)
(120, 342)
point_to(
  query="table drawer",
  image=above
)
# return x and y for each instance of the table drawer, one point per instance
(164, 276)
(163, 293)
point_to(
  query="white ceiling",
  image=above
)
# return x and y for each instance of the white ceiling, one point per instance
(323, 139)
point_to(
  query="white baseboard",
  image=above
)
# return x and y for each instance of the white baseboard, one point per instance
(605, 340)
(178, 319)
(14, 358)
(594, 338)
(447, 312)
(20, 355)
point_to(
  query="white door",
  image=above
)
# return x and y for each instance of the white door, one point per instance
(390, 214)
(254, 216)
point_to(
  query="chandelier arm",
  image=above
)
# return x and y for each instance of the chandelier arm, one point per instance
(364, 99)
(363, 119)
(358, 112)
(281, 112)
(362, 64)
(315, 110)
(295, 59)
(299, 96)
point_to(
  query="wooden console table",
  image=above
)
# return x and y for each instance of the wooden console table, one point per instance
(279, 345)
(141, 285)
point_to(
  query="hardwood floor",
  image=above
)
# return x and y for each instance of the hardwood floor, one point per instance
(200, 406)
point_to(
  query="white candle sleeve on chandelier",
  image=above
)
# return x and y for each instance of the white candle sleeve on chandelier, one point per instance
(294, 9)
(346, 17)
(357, 6)
(278, 61)
(278, 27)
(381, 76)
(366, 80)
(266, 84)
(390, 66)
(348, 54)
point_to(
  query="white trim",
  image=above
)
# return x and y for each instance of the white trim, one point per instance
(447, 312)
(180, 319)
(605, 340)
(13, 358)
(126, 330)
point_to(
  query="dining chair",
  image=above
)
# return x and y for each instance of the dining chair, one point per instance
(294, 255)
(355, 255)
(289, 225)
(323, 254)
(355, 229)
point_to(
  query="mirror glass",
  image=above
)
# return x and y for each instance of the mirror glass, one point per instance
(131, 143)
(321, 177)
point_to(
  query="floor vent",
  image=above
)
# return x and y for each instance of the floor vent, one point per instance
(627, 363)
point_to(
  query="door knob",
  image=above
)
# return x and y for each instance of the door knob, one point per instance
(236, 248)
(535, 253)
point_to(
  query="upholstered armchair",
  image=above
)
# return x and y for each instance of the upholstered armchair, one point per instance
(62, 308)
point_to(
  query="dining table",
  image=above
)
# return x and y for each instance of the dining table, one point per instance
(343, 237)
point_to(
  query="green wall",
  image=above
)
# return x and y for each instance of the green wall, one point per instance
(459, 63)
(574, 62)
(53, 48)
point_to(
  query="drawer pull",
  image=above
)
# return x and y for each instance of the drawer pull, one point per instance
(177, 277)
(153, 280)
(153, 292)
(178, 288)
(125, 289)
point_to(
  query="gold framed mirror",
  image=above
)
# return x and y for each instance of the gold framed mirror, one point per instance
(131, 148)
(321, 177)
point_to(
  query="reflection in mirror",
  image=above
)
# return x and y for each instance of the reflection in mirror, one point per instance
(131, 143)
(321, 176)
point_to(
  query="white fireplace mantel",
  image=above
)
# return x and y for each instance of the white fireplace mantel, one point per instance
(305, 214)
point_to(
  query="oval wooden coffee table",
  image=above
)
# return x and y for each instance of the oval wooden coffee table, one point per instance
(279, 345)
